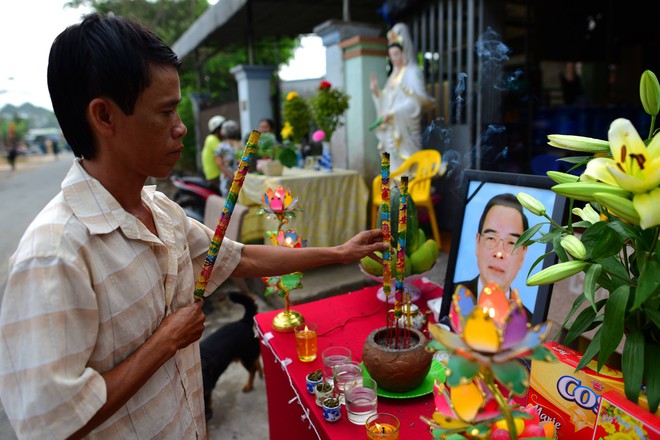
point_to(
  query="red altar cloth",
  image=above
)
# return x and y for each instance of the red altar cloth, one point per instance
(344, 320)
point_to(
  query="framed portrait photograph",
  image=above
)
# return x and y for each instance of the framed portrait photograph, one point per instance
(488, 226)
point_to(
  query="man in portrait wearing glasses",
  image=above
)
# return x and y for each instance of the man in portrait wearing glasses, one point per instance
(501, 224)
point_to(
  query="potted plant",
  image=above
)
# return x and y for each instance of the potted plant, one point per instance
(270, 156)
(297, 117)
(327, 108)
(618, 247)
(314, 378)
(322, 391)
(331, 409)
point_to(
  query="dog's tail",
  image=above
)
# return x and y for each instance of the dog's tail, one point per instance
(247, 302)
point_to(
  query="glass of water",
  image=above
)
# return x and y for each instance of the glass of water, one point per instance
(334, 356)
(361, 399)
(343, 373)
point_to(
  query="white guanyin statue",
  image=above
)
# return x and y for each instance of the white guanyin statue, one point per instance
(400, 103)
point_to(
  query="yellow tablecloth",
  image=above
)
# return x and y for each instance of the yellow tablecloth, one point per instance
(334, 204)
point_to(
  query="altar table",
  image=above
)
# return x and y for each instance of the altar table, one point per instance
(334, 204)
(344, 320)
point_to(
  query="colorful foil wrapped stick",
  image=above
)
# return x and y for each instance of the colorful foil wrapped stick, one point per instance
(223, 222)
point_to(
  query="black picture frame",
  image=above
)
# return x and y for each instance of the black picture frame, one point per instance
(477, 188)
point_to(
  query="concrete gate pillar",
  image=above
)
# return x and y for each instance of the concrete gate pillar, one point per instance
(253, 95)
(345, 150)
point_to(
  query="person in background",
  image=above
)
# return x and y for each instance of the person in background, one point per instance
(267, 125)
(400, 103)
(502, 222)
(209, 166)
(226, 154)
(12, 153)
(99, 327)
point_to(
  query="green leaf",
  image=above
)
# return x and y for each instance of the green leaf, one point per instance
(648, 284)
(601, 241)
(550, 236)
(592, 349)
(632, 364)
(559, 250)
(624, 229)
(575, 159)
(536, 263)
(652, 375)
(591, 275)
(513, 375)
(528, 234)
(614, 317)
(582, 224)
(653, 316)
(460, 369)
(576, 305)
(613, 265)
(583, 321)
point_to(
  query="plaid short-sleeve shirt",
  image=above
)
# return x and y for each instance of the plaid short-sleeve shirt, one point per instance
(87, 286)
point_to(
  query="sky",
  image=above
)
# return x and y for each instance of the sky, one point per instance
(28, 28)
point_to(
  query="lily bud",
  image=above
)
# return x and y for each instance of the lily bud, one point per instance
(649, 93)
(557, 272)
(533, 205)
(619, 206)
(574, 246)
(579, 143)
(560, 177)
(585, 190)
(587, 214)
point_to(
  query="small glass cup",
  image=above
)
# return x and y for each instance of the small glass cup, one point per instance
(306, 341)
(343, 373)
(333, 356)
(382, 426)
(361, 399)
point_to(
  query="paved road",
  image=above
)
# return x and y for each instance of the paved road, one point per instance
(23, 193)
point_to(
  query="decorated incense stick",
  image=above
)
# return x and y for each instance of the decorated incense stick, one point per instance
(401, 248)
(385, 223)
(223, 222)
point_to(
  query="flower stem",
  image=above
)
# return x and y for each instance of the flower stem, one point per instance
(555, 224)
(652, 127)
(501, 402)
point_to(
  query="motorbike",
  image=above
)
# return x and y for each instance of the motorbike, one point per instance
(191, 194)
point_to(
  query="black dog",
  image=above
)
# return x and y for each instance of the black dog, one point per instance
(233, 342)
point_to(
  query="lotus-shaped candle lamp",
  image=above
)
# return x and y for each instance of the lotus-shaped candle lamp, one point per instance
(280, 204)
(279, 201)
(490, 336)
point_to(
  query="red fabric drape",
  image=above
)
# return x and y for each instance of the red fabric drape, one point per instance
(344, 320)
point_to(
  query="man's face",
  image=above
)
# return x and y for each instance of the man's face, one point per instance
(501, 229)
(150, 139)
